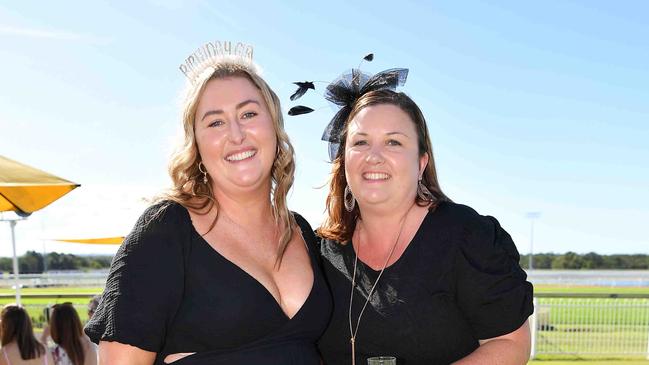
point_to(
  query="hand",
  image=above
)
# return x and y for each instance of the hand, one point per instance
(45, 334)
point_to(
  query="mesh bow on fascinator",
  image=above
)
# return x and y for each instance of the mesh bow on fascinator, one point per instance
(343, 92)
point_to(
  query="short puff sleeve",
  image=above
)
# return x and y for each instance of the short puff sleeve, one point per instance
(492, 290)
(145, 282)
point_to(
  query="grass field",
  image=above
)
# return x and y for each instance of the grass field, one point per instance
(592, 325)
(589, 362)
(589, 289)
(35, 306)
(619, 326)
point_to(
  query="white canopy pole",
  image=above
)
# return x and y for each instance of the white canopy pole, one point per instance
(12, 224)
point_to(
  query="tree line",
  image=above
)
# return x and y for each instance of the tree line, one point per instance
(33, 262)
(589, 261)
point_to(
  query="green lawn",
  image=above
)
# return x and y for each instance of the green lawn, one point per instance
(589, 362)
(54, 290)
(571, 323)
(35, 306)
(589, 289)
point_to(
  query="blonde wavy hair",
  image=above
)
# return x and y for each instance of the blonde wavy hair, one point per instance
(188, 188)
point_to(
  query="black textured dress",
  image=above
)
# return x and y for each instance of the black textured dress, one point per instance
(169, 291)
(458, 281)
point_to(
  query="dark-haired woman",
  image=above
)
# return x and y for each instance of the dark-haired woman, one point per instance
(413, 275)
(19, 346)
(72, 345)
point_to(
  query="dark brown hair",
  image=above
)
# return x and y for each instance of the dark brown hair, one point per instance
(17, 326)
(339, 224)
(66, 331)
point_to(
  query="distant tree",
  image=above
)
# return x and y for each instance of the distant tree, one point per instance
(569, 260)
(543, 260)
(6, 264)
(592, 260)
(31, 263)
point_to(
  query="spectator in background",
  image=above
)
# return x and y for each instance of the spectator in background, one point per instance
(92, 305)
(19, 346)
(72, 345)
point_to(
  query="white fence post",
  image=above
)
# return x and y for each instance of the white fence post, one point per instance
(534, 327)
(648, 345)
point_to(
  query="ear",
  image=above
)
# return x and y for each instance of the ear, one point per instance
(423, 162)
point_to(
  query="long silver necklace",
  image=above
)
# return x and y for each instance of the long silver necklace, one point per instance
(354, 331)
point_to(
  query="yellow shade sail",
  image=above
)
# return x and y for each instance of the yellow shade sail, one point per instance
(24, 189)
(94, 241)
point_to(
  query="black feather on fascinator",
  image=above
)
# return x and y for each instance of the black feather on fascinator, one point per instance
(302, 88)
(344, 91)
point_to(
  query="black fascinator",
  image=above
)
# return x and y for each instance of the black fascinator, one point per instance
(344, 91)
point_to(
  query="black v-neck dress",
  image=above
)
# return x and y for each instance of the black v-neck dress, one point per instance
(169, 292)
(457, 282)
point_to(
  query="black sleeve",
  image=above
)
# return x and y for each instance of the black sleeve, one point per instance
(145, 283)
(492, 290)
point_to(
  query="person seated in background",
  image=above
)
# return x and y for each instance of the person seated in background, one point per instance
(73, 347)
(19, 346)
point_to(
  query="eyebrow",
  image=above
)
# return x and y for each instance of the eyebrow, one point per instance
(238, 106)
(389, 134)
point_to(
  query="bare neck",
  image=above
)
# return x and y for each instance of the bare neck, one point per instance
(251, 211)
(382, 229)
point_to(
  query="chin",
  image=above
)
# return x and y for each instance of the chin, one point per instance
(251, 181)
(374, 200)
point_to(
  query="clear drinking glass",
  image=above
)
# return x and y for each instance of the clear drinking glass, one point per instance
(382, 360)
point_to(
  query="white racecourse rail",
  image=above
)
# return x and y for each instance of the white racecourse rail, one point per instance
(610, 325)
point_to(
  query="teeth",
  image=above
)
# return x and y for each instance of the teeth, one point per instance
(241, 156)
(376, 176)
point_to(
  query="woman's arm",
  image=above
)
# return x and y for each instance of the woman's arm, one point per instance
(512, 348)
(115, 353)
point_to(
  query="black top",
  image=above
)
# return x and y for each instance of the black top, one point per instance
(458, 281)
(169, 291)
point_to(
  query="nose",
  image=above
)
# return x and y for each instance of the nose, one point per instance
(237, 134)
(374, 155)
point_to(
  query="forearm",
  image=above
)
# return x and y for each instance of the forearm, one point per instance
(498, 352)
(115, 353)
(510, 349)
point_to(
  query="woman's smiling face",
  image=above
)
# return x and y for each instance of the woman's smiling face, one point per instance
(235, 135)
(382, 161)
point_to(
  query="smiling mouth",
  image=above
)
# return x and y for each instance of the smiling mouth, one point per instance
(241, 156)
(374, 176)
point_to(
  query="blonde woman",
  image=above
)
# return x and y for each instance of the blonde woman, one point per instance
(220, 271)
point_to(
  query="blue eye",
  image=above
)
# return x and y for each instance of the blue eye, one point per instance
(216, 123)
(248, 115)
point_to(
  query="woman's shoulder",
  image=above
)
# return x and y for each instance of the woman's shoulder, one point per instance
(163, 211)
(461, 217)
(301, 221)
(161, 217)
(307, 232)
(456, 211)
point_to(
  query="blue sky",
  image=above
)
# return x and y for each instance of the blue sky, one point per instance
(531, 106)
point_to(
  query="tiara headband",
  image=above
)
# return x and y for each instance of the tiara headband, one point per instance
(213, 53)
(344, 92)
